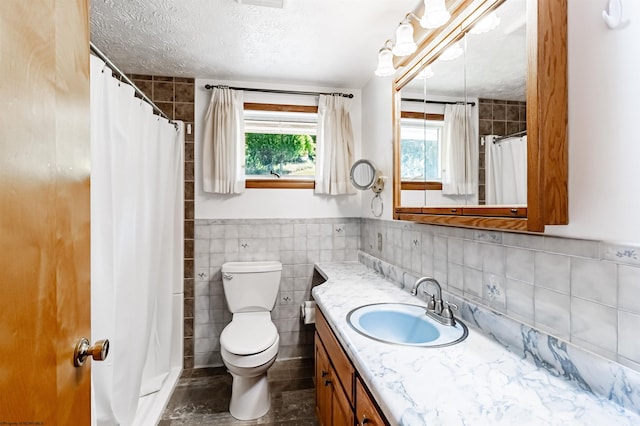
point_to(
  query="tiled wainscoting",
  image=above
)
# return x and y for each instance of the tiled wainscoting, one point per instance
(584, 292)
(297, 243)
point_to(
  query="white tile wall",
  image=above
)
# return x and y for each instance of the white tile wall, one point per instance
(586, 292)
(297, 243)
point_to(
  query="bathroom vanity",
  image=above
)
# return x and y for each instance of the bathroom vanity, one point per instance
(340, 393)
(477, 381)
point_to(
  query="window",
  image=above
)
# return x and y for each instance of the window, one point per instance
(280, 142)
(420, 159)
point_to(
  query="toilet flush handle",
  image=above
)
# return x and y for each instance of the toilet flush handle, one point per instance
(227, 276)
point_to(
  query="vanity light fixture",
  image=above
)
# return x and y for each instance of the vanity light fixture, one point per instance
(486, 24)
(404, 39)
(385, 61)
(435, 14)
(452, 52)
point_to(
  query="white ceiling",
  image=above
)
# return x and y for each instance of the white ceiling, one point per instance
(331, 43)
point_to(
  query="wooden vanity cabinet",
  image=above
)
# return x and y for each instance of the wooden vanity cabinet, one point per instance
(332, 405)
(366, 411)
(340, 394)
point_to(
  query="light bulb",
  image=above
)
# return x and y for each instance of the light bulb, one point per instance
(435, 14)
(404, 40)
(385, 63)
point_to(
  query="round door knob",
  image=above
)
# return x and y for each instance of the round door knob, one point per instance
(99, 351)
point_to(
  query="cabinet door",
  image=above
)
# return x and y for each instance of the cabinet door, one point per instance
(323, 381)
(341, 411)
(332, 404)
(367, 413)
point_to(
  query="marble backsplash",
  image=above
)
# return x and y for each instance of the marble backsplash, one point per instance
(588, 371)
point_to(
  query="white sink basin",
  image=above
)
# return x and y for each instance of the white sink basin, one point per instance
(404, 324)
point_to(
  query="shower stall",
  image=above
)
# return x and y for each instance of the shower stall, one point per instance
(137, 199)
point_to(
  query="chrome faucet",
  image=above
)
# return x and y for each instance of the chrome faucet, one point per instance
(435, 308)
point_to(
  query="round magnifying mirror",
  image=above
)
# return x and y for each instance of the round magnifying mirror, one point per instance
(363, 174)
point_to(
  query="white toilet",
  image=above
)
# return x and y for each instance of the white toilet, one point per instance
(249, 343)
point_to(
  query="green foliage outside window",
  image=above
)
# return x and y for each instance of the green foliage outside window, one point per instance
(419, 160)
(281, 153)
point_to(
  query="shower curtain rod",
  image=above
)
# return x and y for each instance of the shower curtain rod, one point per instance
(288, 92)
(427, 101)
(121, 77)
(512, 135)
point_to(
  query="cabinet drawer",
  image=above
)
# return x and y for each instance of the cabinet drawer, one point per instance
(341, 363)
(367, 412)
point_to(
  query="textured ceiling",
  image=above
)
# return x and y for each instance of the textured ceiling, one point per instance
(330, 43)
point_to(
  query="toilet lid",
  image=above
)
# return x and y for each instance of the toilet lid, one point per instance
(249, 333)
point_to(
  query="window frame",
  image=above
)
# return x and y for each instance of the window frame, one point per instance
(280, 183)
(421, 185)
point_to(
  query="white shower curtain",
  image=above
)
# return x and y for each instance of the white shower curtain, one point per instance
(506, 171)
(136, 202)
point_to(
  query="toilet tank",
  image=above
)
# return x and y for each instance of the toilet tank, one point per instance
(251, 286)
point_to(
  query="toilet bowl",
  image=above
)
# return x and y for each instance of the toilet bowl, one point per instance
(249, 343)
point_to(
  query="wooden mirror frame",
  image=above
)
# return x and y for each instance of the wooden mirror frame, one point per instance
(547, 117)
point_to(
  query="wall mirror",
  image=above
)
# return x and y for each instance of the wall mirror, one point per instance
(480, 115)
(364, 175)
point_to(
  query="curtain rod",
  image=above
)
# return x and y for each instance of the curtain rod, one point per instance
(288, 92)
(512, 135)
(122, 76)
(426, 101)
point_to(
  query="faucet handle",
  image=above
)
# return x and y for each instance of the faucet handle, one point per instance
(450, 305)
(448, 314)
(431, 304)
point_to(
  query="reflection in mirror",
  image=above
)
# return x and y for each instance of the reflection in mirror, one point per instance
(363, 174)
(474, 95)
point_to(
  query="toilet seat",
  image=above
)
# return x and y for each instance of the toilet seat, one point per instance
(250, 361)
(249, 333)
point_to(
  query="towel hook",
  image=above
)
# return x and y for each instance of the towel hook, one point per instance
(613, 15)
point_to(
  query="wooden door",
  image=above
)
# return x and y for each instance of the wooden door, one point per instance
(44, 211)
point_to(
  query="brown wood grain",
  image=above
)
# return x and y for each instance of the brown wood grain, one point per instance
(366, 408)
(343, 368)
(73, 234)
(44, 211)
(547, 118)
(280, 107)
(519, 225)
(409, 185)
(552, 109)
(279, 184)
(422, 116)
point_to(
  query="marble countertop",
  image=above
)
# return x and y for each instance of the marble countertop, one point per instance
(476, 382)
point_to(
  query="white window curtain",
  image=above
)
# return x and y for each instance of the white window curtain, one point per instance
(334, 146)
(459, 151)
(223, 147)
